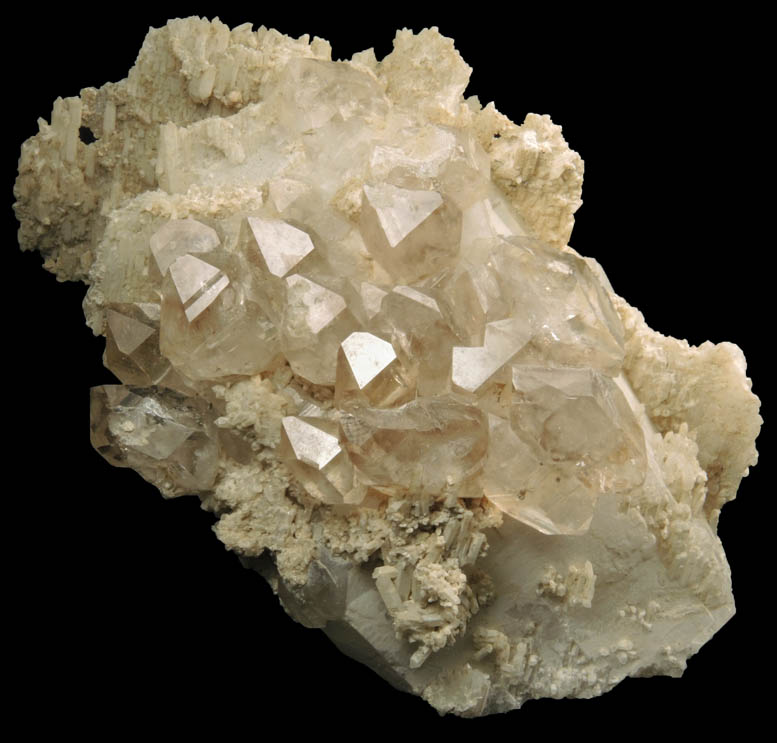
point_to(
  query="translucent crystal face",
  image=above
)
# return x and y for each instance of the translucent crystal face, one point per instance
(437, 347)
(181, 237)
(167, 438)
(341, 307)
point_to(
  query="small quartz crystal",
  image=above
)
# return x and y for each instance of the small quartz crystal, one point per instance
(341, 306)
(168, 439)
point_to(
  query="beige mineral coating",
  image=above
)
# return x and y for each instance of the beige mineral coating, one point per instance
(319, 284)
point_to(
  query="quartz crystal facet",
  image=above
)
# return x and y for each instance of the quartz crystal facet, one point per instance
(341, 306)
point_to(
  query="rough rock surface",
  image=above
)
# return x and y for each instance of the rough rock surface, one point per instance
(326, 311)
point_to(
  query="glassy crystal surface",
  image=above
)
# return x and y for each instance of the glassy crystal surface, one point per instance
(528, 485)
(412, 233)
(132, 343)
(342, 308)
(369, 372)
(169, 439)
(312, 449)
(181, 237)
(458, 352)
(472, 359)
(211, 324)
(580, 416)
(422, 446)
(316, 320)
(280, 245)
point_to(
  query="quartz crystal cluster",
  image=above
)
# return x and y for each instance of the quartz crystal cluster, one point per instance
(341, 308)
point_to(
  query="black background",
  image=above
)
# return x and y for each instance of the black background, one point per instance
(125, 607)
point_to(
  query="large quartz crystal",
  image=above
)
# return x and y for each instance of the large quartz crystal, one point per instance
(341, 308)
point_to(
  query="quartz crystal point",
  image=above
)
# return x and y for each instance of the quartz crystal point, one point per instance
(168, 439)
(180, 237)
(312, 450)
(423, 446)
(211, 325)
(342, 308)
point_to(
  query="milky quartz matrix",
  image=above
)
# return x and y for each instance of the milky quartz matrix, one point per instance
(341, 307)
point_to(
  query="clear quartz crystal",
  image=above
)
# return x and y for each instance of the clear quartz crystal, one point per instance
(581, 417)
(341, 308)
(369, 372)
(568, 436)
(412, 233)
(211, 325)
(470, 357)
(528, 485)
(422, 446)
(181, 237)
(460, 352)
(169, 439)
(311, 448)
(280, 245)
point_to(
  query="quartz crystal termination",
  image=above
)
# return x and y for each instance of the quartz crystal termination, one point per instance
(340, 303)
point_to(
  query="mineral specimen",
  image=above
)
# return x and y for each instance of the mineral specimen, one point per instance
(340, 303)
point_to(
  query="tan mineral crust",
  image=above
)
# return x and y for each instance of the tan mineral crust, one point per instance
(339, 299)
